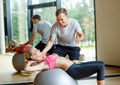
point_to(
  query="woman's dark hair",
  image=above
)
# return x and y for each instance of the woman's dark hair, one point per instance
(61, 10)
(36, 17)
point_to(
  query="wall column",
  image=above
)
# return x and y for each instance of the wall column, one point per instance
(2, 31)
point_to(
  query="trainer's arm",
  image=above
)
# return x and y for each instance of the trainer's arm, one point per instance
(79, 37)
(32, 38)
(49, 44)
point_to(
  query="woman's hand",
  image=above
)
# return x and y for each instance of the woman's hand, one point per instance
(37, 58)
(29, 63)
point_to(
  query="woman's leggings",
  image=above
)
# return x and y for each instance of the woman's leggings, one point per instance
(86, 69)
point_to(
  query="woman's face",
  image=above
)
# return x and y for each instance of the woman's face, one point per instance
(62, 19)
(35, 54)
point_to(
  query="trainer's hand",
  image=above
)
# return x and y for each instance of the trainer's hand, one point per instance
(77, 39)
(43, 54)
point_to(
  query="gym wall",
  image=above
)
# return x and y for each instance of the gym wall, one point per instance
(108, 31)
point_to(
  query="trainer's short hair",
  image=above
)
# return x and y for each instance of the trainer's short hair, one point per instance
(36, 17)
(61, 10)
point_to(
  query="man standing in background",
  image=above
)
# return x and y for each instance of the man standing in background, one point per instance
(44, 29)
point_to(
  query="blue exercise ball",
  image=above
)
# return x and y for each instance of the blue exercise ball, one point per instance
(54, 77)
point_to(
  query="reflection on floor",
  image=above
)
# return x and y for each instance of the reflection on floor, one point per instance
(108, 81)
(9, 75)
(112, 70)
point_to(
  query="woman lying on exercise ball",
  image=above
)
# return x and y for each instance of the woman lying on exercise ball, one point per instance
(15, 46)
(76, 71)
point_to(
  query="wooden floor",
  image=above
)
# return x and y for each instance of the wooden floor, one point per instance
(9, 75)
(108, 81)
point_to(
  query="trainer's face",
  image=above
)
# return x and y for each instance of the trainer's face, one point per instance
(35, 21)
(62, 19)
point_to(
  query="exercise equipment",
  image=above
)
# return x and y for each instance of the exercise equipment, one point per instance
(54, 77)
(18, 61)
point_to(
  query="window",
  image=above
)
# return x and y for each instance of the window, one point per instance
(41, 1)
(83, 12)
(46, 15)
(19, 20)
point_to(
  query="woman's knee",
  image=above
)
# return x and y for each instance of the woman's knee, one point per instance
(101, 65)
(101, 72)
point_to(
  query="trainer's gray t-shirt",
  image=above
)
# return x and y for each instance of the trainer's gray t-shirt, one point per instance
(66, 35)
(44, 29)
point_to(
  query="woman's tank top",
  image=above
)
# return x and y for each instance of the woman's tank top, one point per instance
(51, 60)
